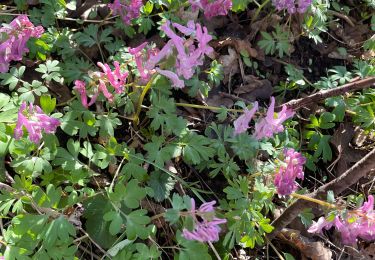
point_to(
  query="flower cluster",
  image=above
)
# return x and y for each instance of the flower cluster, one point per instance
(207, 229)
(272, 124)
(13, 39)
(289, 171)
(115, 78)
(188, 57)
(34, 120)
(212, 8)
(359, 223)
(143, 56)
(291, 6)
(127, 9)
(266, 126)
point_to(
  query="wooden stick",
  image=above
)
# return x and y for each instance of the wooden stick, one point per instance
(323, 94)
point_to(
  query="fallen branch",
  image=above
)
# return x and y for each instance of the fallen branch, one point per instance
(361, 169)
(323, 94)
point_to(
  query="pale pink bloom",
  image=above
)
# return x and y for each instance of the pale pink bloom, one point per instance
(212, 8)
(187, 30)
(290, 170)
(176, 81)
(160, 55)
(241, 124)
(35, 121)
(188, 55)
(354, 224)
(207, 229)
(14, 38)
(271, 124)
(142, 57)
(127, 9)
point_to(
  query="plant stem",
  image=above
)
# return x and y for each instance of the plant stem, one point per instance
(320, 202)
(208, 107)
(259, 9)
(140, 101)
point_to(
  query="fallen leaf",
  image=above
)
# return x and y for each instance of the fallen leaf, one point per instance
(254, 88)
(230, 64)
(238, 44)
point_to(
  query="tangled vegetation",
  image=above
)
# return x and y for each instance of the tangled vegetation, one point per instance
(189, 129)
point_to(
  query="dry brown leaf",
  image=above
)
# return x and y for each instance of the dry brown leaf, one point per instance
(238, 44)
(218, 101)
(230, 64)
(254, 88)
(309, 249)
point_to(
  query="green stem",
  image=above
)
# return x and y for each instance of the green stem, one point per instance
(208, 107)
(259, 9)
(320, 202)
(140, 101)
(66, 102)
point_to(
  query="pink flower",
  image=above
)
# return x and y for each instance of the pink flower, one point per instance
(176, 81)
(80, 86)
(188, 55)
(34, 120)
(241, 124)
(127, 9)
(142, 58)
(354, 224)
(270, 125)
(15, 36)
(160, 55)
(291, 170)
(114, 78)
(212, 8)
(207, 229)
(290, 5)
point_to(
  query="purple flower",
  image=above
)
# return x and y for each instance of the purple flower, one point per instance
(176, 81)
(289, 171)
(207, 229)
(212, 8)
(290, 5)
(241, 124)
(142, 58)
(34, 120)
(127, 9)
(14, 38)
(354, 224)
(189, 56)
(270, 125)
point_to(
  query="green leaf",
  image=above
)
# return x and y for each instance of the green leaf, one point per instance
(47, 103)
(288, 256)
(306, 217)
(135, 224)
(162, 184)
(326, 120)
(172, 215)
(60, 229)
(115, 220)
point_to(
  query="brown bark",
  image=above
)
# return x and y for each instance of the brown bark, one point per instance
(323, 94)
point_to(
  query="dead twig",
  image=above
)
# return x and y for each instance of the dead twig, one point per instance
(323, 94)
(361, 169)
